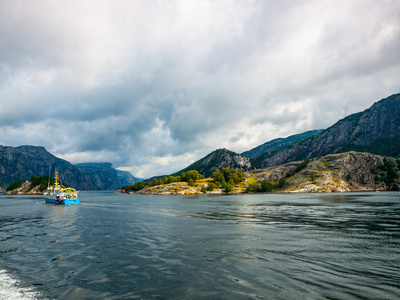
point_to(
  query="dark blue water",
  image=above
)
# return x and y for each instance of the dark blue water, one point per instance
(117, 246)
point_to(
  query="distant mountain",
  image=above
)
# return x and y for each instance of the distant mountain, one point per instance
(20, 163)
(105, 176)
(280, 143)
(218, 159)
(375, 130)
(127, 178)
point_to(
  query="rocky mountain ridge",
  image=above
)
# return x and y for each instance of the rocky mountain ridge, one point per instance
(20, 163)
(375, 130)
(105, 177)
(280, 143)
(218, 159)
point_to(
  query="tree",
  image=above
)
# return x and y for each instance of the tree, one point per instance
(211, 186)
(218, 176)
(251, 187)
(267, 186)
(240, 175)
(14, 185)
(228, 188)
(281, 182)
(301, 165)
(313, 176)
(193, 174)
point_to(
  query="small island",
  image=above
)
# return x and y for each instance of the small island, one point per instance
(343, 172)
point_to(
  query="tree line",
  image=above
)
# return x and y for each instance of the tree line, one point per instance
(41, 181)
(225, 179)
(190, 177)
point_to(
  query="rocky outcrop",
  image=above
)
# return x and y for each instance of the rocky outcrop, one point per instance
(20, 163)
(25, 189)
(280, 143)
(177, 188)
(221, 158)
(375, 130)
(343, 172)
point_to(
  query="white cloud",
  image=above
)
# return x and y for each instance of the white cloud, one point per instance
(153, 86)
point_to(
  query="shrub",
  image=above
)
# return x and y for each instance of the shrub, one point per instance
(281, 182)
(267, 186)
(251, 187)
(388, 173)
(228, 188)
(14, 186)
(211, 186)
(301, 165)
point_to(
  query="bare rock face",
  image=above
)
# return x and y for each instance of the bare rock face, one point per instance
(375, 130)
(343, 172)
(127, 178)
(105, 177)
(177, 188)
(280, 143)
(20, 163)
(221, 158)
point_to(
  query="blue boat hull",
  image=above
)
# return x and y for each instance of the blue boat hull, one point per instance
(62, 202)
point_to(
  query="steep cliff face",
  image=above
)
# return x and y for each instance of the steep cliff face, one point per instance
(280, 143)
(105, 176)
(375, 130)
(20, 163)
(221, 158)
(126, 178)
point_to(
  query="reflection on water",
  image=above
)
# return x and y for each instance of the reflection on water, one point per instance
(113, 246)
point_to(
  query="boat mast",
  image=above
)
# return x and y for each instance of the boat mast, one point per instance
(56, 179)
(48, 182)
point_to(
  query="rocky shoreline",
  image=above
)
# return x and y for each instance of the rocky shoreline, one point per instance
(344, 172)
(25, 189)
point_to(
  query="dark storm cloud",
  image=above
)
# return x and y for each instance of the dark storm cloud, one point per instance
(152, 87)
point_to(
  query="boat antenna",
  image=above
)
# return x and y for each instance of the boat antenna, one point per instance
(48, 182)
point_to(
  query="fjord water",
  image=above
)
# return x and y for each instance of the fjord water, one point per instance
(267, 246)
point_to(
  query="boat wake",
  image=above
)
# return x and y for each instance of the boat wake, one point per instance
(11, 289)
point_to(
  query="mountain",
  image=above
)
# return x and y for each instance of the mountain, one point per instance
(218, 159)
(20, 163)
(280, 143)
(126, 178)
(105, 176)
(375, 130)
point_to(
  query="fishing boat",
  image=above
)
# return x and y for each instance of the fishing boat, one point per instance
(58, 195)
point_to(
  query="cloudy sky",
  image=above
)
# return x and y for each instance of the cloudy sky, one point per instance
(152, 86)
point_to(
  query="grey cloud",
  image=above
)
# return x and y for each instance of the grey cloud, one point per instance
(153, 86)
